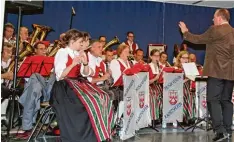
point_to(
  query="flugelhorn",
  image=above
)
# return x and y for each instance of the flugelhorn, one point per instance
(114, 41)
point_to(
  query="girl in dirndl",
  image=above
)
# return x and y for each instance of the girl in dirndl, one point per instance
(83, 110)
(155, 88)
(189, 107)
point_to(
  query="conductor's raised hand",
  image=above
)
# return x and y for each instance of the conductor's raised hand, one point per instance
(183, 27)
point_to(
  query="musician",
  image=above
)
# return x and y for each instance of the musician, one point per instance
(36, 90)
(61, 36)
(130, 42)
(155, 88)
(40, 48)
(189, 100)
(97, 64)
(109, 56)
(23, 34)
(9, 30)
(138, 57)
(72, 97)
(163, 60)
(184, 47)
(117, 68)
(175, 52)
(102, 39)
(6, 59)
(193, 59)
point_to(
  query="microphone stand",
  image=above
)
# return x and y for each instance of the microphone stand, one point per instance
(14, 77)
(72, 14)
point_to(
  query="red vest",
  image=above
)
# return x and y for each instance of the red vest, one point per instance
(119, 82)
(133, 46)
(75, 71)
(100, 71)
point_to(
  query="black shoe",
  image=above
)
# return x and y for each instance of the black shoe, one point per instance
(219, 137)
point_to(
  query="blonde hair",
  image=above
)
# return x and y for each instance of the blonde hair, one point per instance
(178, 63)
(120, 48)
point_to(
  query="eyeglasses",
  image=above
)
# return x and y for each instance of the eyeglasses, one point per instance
(41, 48)
(184, 57)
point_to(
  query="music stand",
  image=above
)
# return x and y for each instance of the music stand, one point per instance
(199, 119)
(36, 64)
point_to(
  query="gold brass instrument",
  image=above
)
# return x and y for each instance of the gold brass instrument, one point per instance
(114, 41)
(26, 51)
(36, 32)
(52, 50)
(45, 31)
(39, 30)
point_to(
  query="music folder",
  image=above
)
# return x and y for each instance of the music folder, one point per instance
(36, 64)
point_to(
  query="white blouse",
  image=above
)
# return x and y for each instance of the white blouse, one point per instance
(93, 62)
(115, 68)
(155, 69)
(61, 59)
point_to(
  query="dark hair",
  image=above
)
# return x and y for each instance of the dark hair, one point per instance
(101, 37)
(163, 53)
(224, 13)
(86, 35)
(152, 52)
(72, 34)
(9, 25)
(109, 50)
(176, 50)
(182, 46)
(138, 50)
(130, 32)
(36, 44)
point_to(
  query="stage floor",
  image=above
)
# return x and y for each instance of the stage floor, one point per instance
(149, 135)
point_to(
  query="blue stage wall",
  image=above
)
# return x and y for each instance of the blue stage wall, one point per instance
(152, 22)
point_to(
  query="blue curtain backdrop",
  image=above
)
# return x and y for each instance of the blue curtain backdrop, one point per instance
(152, 22)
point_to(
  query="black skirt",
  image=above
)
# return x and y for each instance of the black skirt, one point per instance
(73, 119)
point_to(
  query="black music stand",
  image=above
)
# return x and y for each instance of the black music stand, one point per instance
(199, 119)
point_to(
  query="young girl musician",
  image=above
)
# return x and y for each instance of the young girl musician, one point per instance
(82, 110)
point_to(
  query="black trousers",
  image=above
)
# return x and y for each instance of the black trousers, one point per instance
(219, 102)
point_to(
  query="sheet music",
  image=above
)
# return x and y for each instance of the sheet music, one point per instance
(190, 70)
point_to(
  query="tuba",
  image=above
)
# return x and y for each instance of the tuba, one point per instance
(52, 50)
(114, 41)
(39, 30)
(26, 51)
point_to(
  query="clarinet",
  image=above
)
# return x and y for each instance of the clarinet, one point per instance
(109, 81)
(159, 69)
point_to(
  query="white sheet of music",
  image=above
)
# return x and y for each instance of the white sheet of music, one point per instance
(190, 70)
